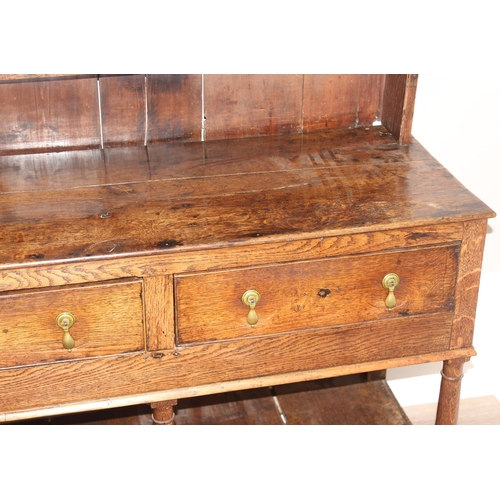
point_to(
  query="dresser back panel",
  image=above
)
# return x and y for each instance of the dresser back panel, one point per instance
(60, 114)
(40, 112)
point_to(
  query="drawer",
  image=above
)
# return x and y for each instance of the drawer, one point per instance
(314, 294)
(108, 320)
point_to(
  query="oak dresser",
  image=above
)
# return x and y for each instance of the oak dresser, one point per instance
(169, 236)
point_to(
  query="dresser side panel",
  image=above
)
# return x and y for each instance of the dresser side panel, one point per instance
(467, 288)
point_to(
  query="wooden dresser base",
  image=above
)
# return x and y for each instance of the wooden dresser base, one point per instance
(279, 246)
(337, 401)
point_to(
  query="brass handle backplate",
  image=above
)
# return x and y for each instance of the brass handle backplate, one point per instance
(390, 282)
(251, 298)
(65, 321)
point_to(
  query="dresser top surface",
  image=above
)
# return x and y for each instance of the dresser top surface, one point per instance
(116, 201)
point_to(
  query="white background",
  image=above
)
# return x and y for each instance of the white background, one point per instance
(457, 119)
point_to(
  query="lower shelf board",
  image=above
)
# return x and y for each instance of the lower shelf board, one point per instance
(339, 401)
(349, 400)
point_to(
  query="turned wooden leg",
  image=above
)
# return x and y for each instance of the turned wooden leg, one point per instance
(163, 412)
(449, 395)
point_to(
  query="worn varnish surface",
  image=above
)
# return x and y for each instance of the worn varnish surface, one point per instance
(329, 101)
(449, 394)
(159, 312)
(174, 104)
(152, 245)
(245, 105)
(123, 110)
(109, 320)
(233, 256)
(146, 109)
(118, 165)
(344, 400)
(398, 102)
(217, 362)
(252, 407)
(340, 402)
(225, 410)
(468, 282)
(315, 294)
(49, 115)
(325, 184)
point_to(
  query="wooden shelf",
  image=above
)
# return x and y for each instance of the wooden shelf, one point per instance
(367, 182)
(346, 400)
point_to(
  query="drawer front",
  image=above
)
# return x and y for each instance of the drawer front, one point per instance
(317, 294)
(108, 320)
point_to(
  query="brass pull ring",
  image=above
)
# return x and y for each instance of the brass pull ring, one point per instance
(390, 282)
(65, 321)
(251, 298)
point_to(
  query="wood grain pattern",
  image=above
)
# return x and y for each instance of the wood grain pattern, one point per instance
(207, 159)
(22, 77)
(176, 262)
(246, 105)
(449, 394)
(469, 274)
(123, 109)
(370, 100)
(139, 398)
(313, 294)
(214, 410)
(302, 203)
(119, 165)
(159, 312)
(100, 221)
(55, 170)
(163, 412)
(235, 105)
(398, 105)
(339, 402)
(325, 402)
(252, 407)
(314, 221)
(174, 107)
(330, 102)
(108, 321)
(125, 165)
(341, 348)
(129, 415)
(59, 114)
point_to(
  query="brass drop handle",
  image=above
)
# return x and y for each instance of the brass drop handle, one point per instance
(65, 321)
(251, 298)
(390, 282)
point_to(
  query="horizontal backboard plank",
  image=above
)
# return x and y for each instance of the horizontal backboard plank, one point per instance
(54, 114)
(123, 109)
